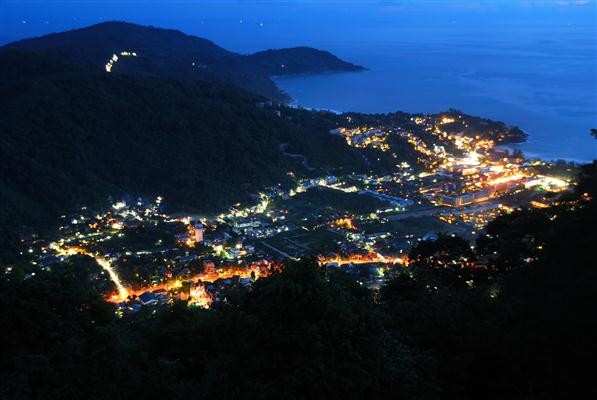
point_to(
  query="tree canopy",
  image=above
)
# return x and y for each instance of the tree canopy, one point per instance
(525, 332)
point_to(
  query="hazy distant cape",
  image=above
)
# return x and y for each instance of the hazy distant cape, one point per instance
(173, 54)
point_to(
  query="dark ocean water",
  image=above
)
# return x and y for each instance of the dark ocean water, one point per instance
(549, 96)
(528, 63)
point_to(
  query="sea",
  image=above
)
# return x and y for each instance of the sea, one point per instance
(532, 64)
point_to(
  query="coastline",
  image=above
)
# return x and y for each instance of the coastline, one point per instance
(359, 68)
(510, 145)
(531, 155)
(295, 104)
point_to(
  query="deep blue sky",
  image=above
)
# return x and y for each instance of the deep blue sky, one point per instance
(250, 25)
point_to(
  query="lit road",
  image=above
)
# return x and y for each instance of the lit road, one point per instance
(102, 262)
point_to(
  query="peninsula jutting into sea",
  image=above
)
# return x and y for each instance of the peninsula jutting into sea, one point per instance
(174, 225)
(400, 177)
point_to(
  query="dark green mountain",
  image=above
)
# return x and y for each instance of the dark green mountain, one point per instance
(298, 60)
(70, 136)
(173, 54)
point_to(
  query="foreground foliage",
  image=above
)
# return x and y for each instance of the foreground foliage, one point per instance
(524, 331)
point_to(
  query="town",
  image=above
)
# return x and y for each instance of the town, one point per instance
(362, 224)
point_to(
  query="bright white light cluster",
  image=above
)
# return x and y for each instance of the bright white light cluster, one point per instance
(114, 59)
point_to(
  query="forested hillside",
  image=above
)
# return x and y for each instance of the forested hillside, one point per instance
(172, 54)
(71, 136)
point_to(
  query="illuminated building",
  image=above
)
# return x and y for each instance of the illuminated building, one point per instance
(199, 232)
(209, 268)
(148, 299)
(466, 198)
(114, 59)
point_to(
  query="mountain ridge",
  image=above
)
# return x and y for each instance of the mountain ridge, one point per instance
(171, 53)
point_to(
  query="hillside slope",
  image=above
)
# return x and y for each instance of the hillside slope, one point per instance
(72, 136)
(173, 54)
(298, 60)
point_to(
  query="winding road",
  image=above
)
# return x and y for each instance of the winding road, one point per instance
(305, 160)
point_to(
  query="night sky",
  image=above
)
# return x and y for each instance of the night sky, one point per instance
(248, 25)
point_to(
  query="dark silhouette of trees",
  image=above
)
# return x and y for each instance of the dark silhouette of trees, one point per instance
(525, 332)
